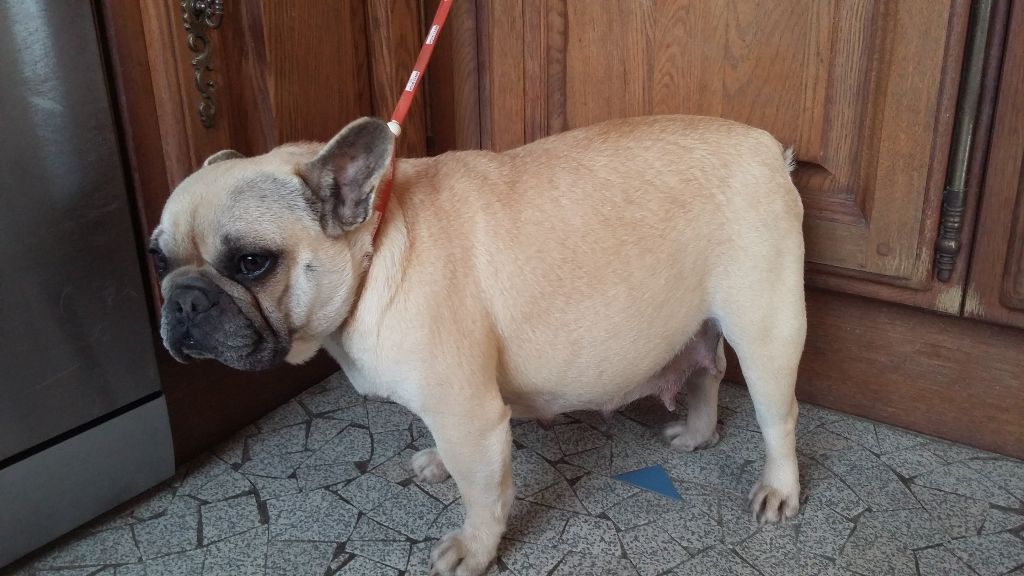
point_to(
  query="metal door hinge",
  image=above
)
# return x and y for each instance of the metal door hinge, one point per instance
(199, 17)
(954, 195)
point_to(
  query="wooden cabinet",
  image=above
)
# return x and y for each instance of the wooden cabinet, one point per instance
(996, 286)
(865, 90)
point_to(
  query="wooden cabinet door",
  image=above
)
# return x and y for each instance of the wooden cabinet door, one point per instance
(865, 91)
(996, 286)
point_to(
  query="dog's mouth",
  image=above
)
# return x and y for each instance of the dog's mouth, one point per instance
(201, 321)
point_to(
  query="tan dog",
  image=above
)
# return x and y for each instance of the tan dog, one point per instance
(579, 272)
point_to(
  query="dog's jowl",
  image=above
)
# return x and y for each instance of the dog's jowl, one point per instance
(579, 272)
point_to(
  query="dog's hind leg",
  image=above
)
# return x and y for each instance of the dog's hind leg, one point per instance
(701, 427)
(428, 466)
(767, 328)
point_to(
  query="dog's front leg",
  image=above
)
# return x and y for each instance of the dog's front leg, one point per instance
(474, 440)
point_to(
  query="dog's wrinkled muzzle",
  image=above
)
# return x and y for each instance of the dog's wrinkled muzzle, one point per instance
(201, 320)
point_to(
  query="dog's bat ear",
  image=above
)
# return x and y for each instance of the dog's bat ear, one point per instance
(344, 176)
(223, 155)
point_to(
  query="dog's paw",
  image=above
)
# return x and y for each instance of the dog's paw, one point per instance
(770, 503)
(452, 556)
(428, 466)
(680, 437)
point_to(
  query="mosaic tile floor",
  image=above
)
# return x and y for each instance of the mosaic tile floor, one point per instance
(322, 486)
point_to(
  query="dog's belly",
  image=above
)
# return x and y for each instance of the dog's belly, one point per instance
(604, 389)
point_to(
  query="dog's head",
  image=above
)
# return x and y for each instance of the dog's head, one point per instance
(260, 258)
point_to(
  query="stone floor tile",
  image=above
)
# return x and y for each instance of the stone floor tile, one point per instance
(274, 466)
(570, 472)
(576, 564)
(693, 528)
(961, 479)
(912, 461)
(959, 515)
(879, 488)
(227, 485)
(1005, 473)
(707, 468)
(173, 532)
(641, 508)
(939, 561)
(836, 495)
(282, 441)
(180, 564)
(997, 520)
(360, 566)
(951, 452)
(384, 416)
(355, 414)
(285, 415)
(449, 520)
(871, 550)
(534, 523)
(734, 396)
(111, 546)
(199, 472)
(298, 558)
(598, 493)
(774, 552)
(388, 444)
(367, 529)
(717, 561)
(541, 441)
(860, 431)
(241, 555)
(267, 488)
(822, 441)
(591, 536)
(524, 558)
(318, 516)
(738, 444)
(394, 554)
(990, 554)
(531, 473)
(398, 468)
(419, 559)
(330, 400)
(313, 477)
(368, 491)
(598, 460)
(651, 550)
(576, 438)
(321, 430)
(351, 445)
(736, 520)
(445, 492)
(892, 439)
(411, 512)
(228, 518)
(558, 495)
(152, 503)
(822, 531)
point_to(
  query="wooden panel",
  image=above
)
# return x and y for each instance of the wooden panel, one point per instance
(950, 377)
(996, 287)
(864, 90)
(395, 34)
(316, 66)
(453, 82)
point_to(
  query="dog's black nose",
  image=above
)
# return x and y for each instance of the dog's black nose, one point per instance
(187, 303)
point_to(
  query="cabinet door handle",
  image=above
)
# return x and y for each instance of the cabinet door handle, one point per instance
(199, 17)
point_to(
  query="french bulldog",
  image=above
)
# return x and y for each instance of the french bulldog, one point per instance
(582, 271)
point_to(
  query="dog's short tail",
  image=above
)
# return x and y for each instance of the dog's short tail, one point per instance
(789, 159)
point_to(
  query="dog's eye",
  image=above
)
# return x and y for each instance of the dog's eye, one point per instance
(159, 261)
(252, 265)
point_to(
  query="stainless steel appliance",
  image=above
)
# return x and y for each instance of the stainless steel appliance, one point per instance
(83, 425)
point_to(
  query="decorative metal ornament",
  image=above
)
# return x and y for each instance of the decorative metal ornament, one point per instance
(199, 17)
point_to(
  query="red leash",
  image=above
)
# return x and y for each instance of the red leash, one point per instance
(405, 101)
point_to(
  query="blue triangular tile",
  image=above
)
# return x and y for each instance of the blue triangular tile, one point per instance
(653, 479)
